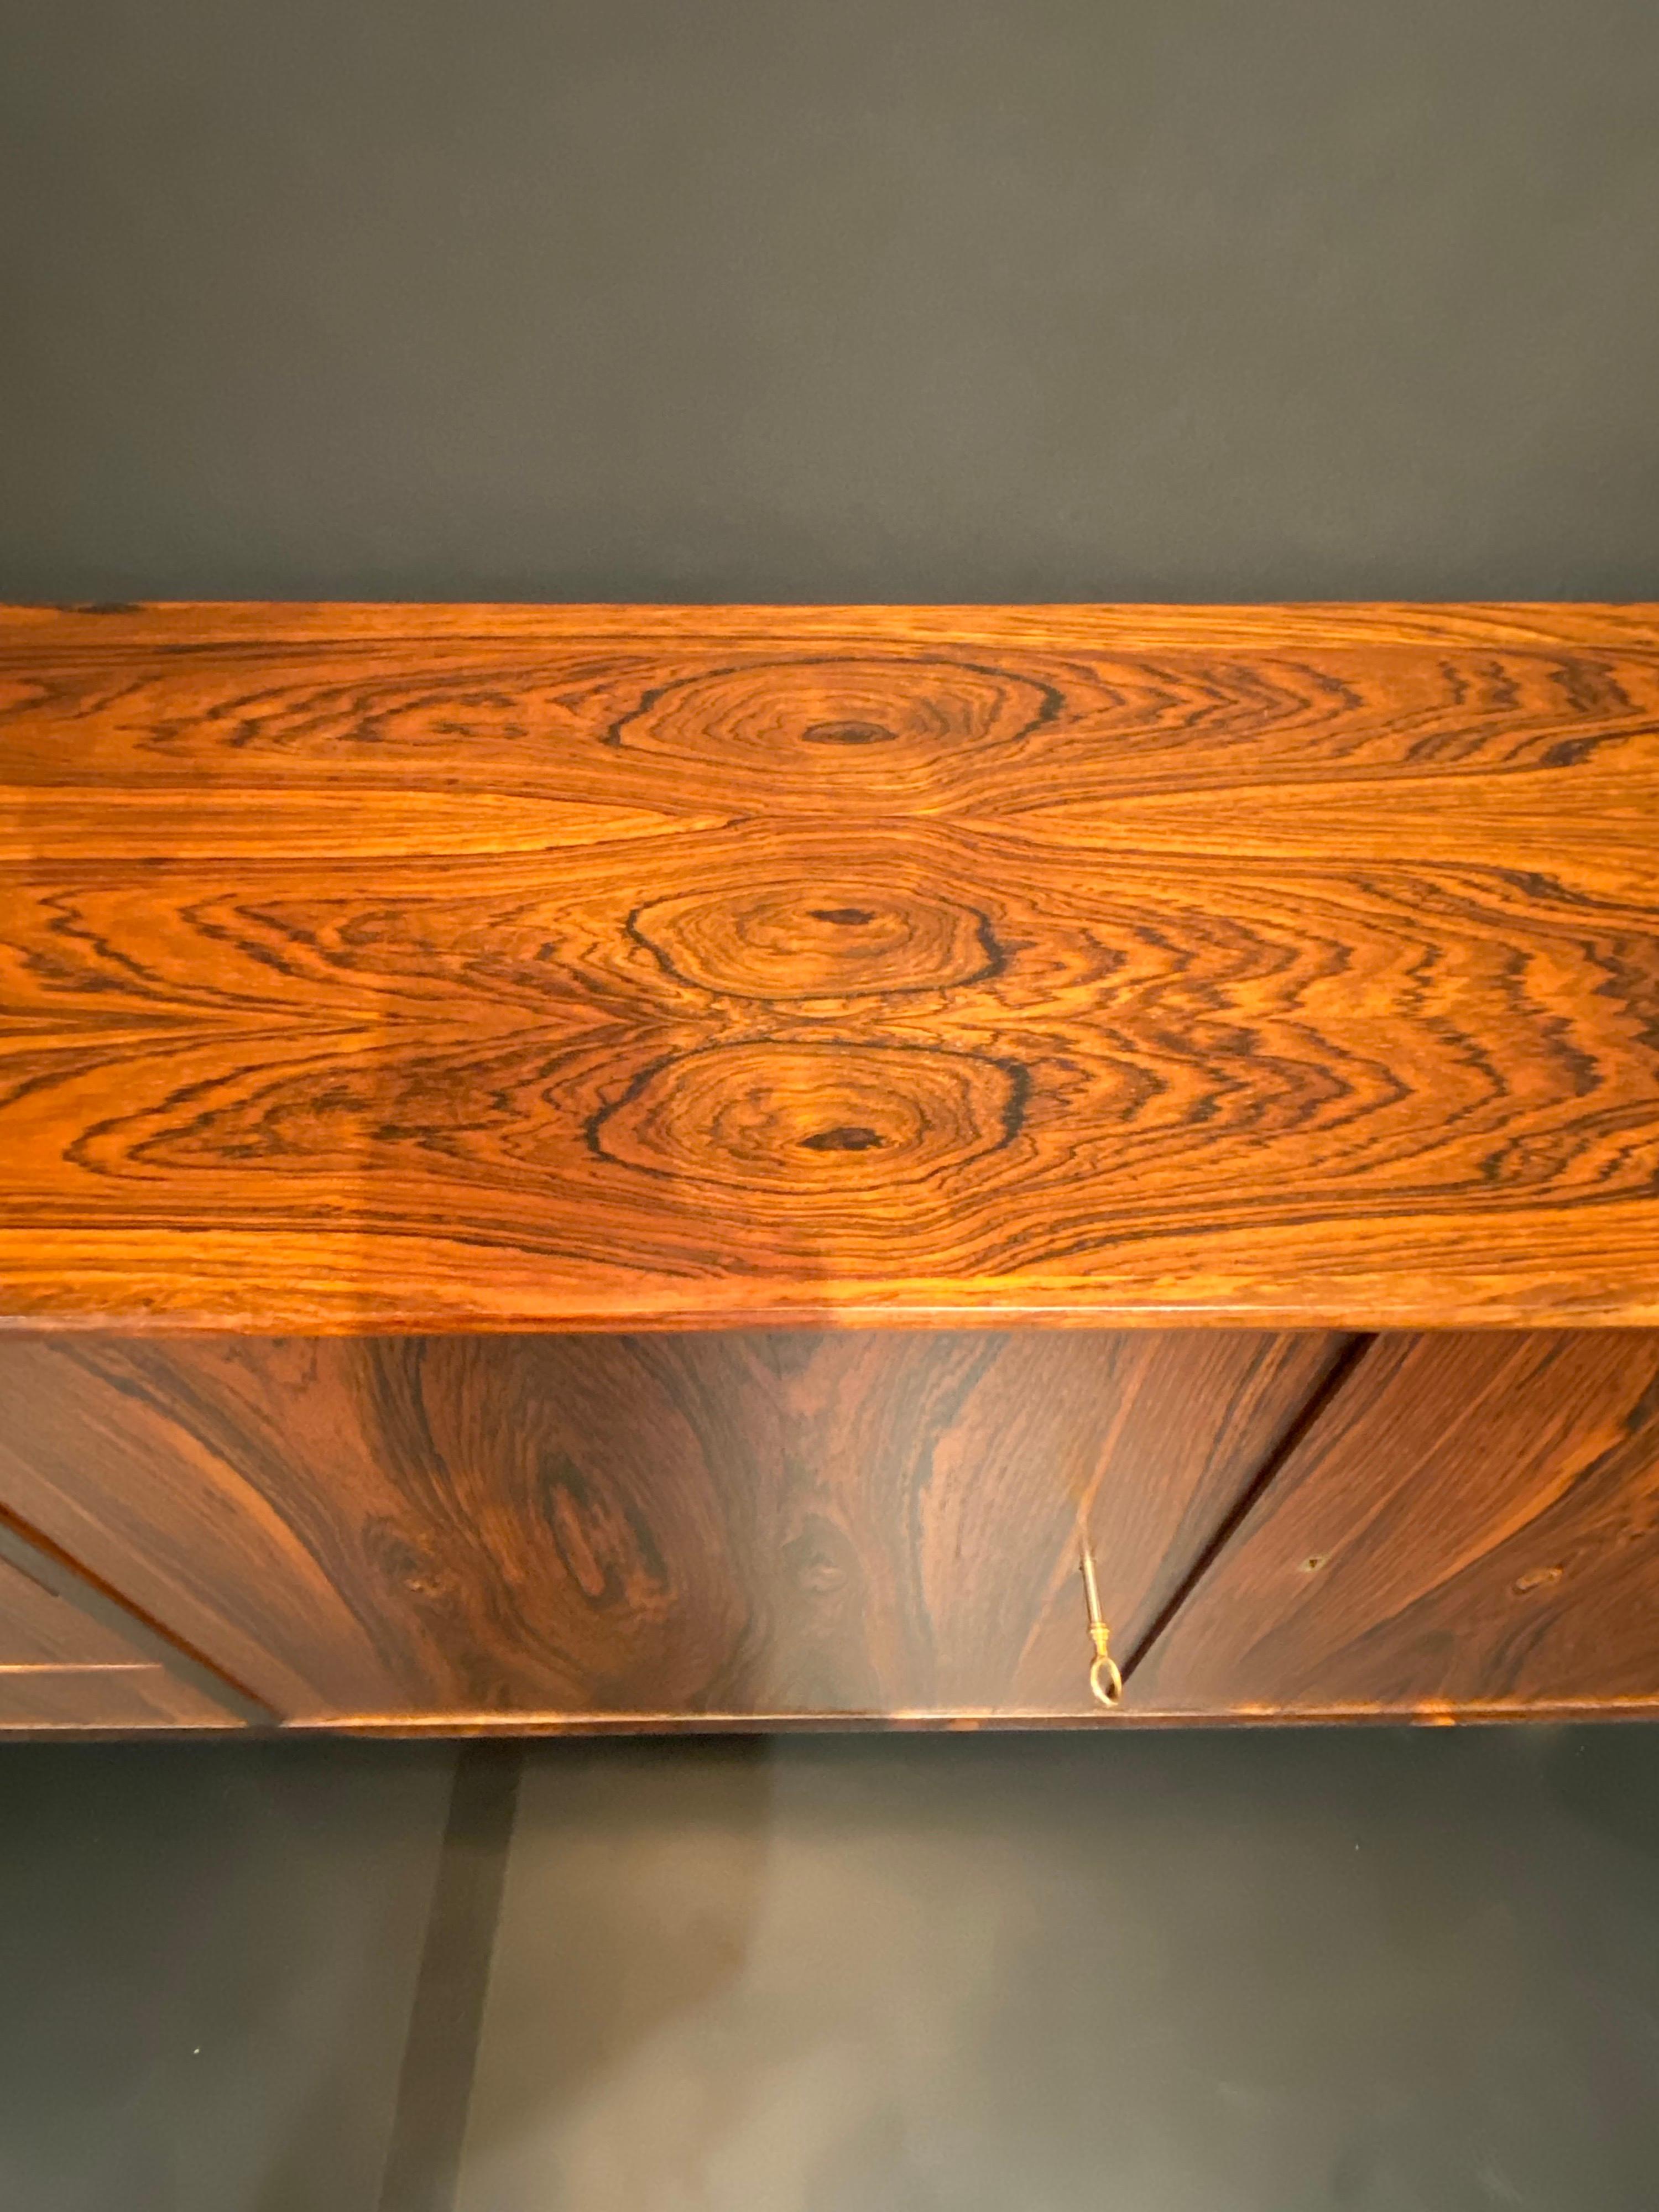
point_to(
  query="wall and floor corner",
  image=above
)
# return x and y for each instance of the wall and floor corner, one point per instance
(930, 300)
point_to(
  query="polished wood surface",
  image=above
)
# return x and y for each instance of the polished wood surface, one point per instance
(426, 969)
(530, 1530)
(60, 1670)
(1471, 1524)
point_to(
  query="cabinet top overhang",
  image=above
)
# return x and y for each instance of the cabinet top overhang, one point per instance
(398, 968)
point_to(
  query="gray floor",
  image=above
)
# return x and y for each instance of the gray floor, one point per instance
(1188, 1973)
(207, 1958)
(1182, 1973)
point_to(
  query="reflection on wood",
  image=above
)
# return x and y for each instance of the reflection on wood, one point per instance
(403, 969)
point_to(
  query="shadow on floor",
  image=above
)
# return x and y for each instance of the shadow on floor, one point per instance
(1405, 1972)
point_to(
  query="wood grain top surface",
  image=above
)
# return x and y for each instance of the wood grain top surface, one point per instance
(396, 967)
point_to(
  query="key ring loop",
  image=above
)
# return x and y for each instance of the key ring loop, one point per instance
(1105, 1683)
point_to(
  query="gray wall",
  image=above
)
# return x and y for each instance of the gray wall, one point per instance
(807, 299)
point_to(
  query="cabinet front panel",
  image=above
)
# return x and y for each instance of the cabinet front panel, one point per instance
(1473, 1520)
(649, 1528)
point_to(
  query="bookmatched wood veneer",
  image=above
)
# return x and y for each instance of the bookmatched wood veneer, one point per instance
(428, 969)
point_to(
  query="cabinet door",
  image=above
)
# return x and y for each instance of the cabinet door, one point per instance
(59, 1670)
(1471, 1521)
(647, 1530)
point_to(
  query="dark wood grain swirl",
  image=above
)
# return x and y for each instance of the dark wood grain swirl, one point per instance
(837, 933)
(496, 969)
(647, 1529)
